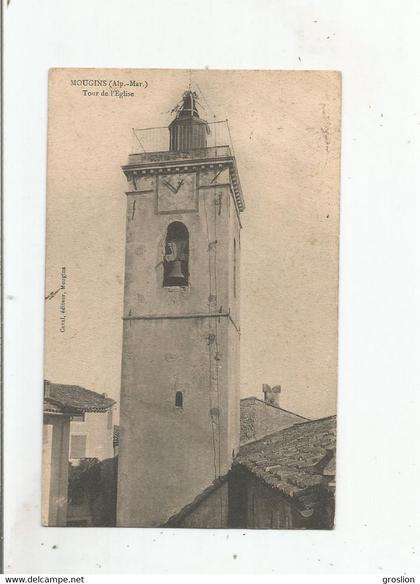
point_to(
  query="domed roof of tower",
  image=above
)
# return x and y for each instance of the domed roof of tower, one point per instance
(187, 130)
(188, 107)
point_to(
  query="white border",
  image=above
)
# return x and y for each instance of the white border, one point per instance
(375, 44)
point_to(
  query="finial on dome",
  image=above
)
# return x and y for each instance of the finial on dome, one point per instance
(188, 131)
(188, 108)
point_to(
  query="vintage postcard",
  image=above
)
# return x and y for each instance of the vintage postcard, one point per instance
(191, 298)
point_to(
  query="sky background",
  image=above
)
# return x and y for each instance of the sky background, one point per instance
(285, 129)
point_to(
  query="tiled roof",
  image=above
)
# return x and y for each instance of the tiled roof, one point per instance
(297, 461)
(75, 399)
(54, 408)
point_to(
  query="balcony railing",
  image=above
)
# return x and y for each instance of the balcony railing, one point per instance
(151, 148)
(148, 140)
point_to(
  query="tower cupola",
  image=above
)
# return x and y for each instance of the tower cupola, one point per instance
(188, 131)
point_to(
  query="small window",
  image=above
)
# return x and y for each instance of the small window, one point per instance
(179, 399)
(78, 446)
(78, 418)
(175, 260)
(109, 420)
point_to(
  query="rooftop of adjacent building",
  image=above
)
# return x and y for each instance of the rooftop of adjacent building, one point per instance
(253, 398)
(260, 417)
(285, 450)
(73, 399)
(298, 461)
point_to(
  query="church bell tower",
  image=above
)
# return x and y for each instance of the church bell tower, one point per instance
(179, 426)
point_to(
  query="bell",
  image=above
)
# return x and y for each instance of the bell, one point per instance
(175, 272)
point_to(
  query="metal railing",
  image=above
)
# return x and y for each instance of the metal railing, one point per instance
(157, 139)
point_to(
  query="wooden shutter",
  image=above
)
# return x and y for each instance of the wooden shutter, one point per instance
(78, 446)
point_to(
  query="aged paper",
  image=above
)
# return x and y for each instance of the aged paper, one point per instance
(191, 298)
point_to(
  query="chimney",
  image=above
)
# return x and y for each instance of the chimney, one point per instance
(271, 394)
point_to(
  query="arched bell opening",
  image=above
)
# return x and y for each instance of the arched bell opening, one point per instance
(176, 258)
